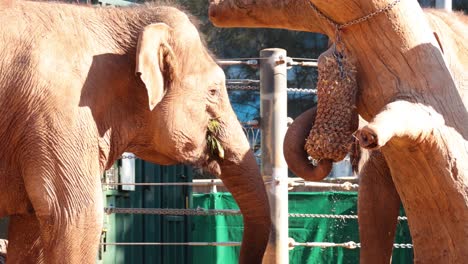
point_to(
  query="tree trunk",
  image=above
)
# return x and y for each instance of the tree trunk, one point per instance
(409, 95)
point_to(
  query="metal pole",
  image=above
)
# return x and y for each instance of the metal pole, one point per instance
(444, 4)
(273, 122)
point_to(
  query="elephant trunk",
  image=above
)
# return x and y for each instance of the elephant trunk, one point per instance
(295, 153)
(240, 174)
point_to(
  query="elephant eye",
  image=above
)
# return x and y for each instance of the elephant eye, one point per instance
(214, 91)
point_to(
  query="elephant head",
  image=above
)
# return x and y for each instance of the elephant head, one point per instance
(188, 119)
(135, 79)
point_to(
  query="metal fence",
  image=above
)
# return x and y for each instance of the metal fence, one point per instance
(267, 131)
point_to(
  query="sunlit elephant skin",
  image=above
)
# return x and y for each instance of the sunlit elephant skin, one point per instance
(377, 191)
(411, 67)
(81, 85)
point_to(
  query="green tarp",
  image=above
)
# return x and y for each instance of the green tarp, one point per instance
(229, 228)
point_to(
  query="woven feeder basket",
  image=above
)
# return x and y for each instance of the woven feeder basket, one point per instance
(337, 119)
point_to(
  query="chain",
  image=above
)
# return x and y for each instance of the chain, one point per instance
(129, 157)
(243, 87)
(323, 216)
(202, 211)
(256, 88)
(338, 47)
(168, 211)
(302, 90)
(355, 21)
(402, 245)
(348, 245)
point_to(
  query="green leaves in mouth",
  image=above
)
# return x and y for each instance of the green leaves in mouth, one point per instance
(212, 141)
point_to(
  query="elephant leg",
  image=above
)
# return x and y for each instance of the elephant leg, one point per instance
(69, 209)
(24, 240)
(378, 209)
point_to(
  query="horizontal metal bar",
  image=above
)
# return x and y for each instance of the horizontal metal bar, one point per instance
(348, 245)
(217, 182)
(303, 63)
(237, 62)
(242, 81)
(346, 185)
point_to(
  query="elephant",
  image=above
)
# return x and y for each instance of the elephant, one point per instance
(412, 91)
(377, 226)
(79, 86)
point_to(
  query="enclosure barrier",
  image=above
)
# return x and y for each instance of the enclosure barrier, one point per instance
(273, 122)
(207, 212)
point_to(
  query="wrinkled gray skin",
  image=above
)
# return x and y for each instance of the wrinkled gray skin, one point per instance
(71, 104)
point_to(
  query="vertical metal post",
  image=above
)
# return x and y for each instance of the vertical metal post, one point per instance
(273, 122)
(444, 4)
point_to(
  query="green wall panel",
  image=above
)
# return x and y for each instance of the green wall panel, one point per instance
(229, 228)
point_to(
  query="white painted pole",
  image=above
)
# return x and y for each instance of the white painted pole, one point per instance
(444, 4)
(273, 122)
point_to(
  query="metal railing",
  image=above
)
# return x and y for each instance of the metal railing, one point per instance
(273, 64)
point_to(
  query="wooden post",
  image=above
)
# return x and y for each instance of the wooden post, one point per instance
(273, 121)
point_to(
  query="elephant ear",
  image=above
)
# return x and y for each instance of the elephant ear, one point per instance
(155, 61)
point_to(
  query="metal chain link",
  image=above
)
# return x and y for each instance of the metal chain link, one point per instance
(403, 245)
(129, 157)
(355, 21)
(170, 211)
(243, 87)
(339, 47)
(205, 212)
(257, 88)
(302, 90)
(348, 245)
(323, 216)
